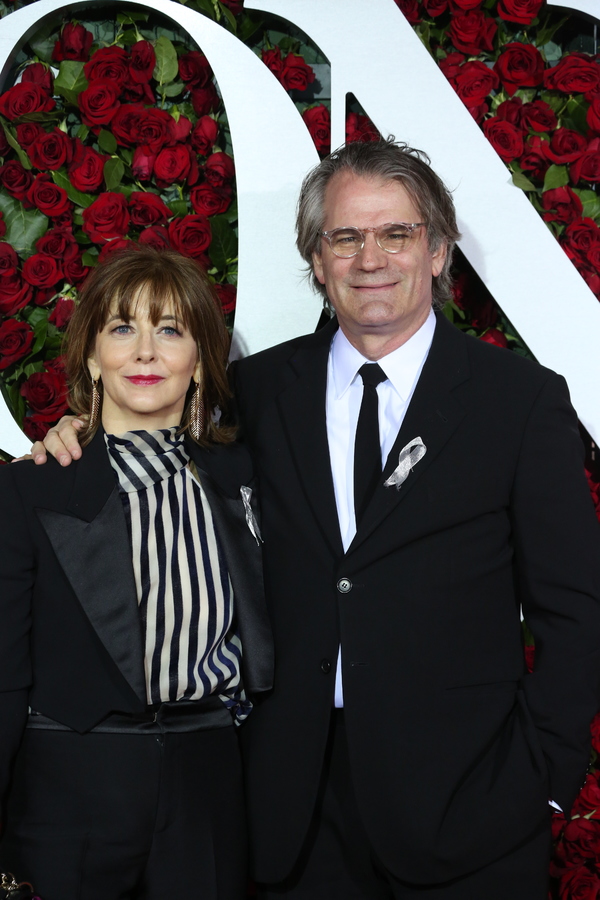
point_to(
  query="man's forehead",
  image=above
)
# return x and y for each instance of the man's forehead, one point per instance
(347, 188)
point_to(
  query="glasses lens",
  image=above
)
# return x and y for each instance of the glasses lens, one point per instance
(394, 237)
(346, 241)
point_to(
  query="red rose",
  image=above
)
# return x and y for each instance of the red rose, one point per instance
(360, 128)
(114, 246)
(204, 100)
(593, 114)
(172, 164)
(273, 61)
(99, 102)
(588, 272)
(576, 73)
(42, 270)
(194, 69)
(48, 197)
(595, 726)
(506, 140)
(14, 294)
(180, 129)
(219, 169)
(494, 336)
(474, 82)
(51, 151)
(318, 121)
(125, 125)
(565, 146)
(582, 840)
(410, 10)
(38, 73)
(583, 234)
(588, 799)
(472, 32)
(538, 116)
(23, 99)
(190, 235)
(58, 242)
(133, 92)
(156, 236)
(579, 884)
(86, 171)
(75, 271)
(16, 339)
(62, 312)
(204, 135)
(107, 217)
(588, 164)
(46, 394)
(34, 428)
(153, 129)
(142, 164)
(227, 294)
(451, 64)
(15, 179)
(296, 74)
(435, 8)
(108, 64)
(147, 209)
(519, 65)
(142, 62)
(510, 110)
(534, 158)
(209, 201)
(74, 43)
(27, 132)
(8, 259)
(235, 6)
(563, 205)
(521, 11)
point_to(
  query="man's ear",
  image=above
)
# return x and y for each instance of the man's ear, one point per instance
(318, 267)
(438, 258)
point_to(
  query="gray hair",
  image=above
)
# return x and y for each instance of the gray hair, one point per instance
(385, 160)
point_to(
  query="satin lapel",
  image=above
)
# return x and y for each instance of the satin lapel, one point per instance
(244, 562)
(92, 546)
(302, 408)
(433, 415)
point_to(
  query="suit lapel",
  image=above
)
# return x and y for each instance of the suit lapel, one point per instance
(433, 415)
(302, 408)
(92, 546)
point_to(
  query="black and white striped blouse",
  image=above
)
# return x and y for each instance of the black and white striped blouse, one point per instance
(184, 590)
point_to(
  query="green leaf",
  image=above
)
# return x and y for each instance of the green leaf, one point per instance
(35, 316)
(82, 132)
(205, 6)
(521, 181)
(172, 90)
(23, 226)
(16, 403)
(129, 18)
(575, 114)
(556, 176)
(107, 141)
(79, 199)
(89, 257)
(70, 80)
(591, 203)
(556, 102)
(248, 26)
(223, 246)
(229, 16)
(114, 170)
(178, 207)
(40, 330)
(166, 68)
(10, 137)
(43, 41)
(126, 155)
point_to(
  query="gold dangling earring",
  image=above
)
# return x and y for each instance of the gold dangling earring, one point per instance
(95, 404)
(197, 413)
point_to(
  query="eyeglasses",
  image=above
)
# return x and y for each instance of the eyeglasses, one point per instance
(391, 237)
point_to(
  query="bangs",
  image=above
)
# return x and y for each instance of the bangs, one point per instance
(155, 297)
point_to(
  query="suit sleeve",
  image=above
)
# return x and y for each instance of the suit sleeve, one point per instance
(557, 552)
(17, 573)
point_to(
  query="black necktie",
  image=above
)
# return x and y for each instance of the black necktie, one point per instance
(367, 450)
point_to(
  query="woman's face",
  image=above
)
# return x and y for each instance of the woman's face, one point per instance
(145, 369)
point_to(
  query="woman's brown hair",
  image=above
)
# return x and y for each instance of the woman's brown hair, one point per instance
(165, 276)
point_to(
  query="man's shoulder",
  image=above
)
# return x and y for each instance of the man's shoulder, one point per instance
(279, 354)
(35, 483)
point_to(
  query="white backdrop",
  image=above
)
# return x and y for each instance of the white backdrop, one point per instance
(374, 54)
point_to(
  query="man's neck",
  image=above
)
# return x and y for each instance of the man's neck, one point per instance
(376, 343)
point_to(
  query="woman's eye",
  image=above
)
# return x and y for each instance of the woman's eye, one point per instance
(122, 329)
(170, 330)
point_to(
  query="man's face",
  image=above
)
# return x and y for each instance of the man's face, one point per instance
(376, 292)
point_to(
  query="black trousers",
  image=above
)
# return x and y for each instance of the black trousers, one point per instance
(339, 863)
(128, 816)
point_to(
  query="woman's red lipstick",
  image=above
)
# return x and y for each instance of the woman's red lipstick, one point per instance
(144, 379)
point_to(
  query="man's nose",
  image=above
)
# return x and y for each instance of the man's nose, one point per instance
(371, 256)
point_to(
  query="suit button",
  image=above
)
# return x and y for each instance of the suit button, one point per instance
(325, 666)
(344, 585)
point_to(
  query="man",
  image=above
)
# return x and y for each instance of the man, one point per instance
(404, 752)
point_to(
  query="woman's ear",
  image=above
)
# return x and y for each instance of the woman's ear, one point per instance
(197, 373)
(94, 368)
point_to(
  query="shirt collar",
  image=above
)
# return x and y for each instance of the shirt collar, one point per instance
(402, 366)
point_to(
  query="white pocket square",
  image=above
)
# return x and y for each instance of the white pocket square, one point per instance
(246, 493)
(409, 457)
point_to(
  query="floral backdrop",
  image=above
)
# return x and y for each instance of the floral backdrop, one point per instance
(114, 131)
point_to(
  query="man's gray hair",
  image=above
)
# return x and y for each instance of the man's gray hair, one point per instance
(384, 160)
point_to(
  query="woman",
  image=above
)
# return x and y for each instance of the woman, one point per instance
(132, 621)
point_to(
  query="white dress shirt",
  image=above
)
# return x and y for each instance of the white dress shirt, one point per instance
(344, 396)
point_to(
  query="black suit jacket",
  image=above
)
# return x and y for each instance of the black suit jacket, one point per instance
(70, 636)
(454, 749)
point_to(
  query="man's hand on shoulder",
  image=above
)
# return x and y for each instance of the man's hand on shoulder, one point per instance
(62, 442)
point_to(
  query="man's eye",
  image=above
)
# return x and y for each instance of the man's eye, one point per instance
(346, 239)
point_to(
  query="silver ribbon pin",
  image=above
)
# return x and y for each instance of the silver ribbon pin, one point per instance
(246, 493)
(409, 457)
